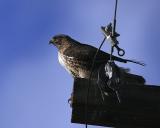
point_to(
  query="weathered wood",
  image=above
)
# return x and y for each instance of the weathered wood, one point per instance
(139, 107)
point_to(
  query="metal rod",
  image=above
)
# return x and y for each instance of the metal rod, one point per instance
(114, 20)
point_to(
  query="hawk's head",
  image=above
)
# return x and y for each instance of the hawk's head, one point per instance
(60, 41)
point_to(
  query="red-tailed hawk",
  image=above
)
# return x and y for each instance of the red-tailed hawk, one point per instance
(77, 58)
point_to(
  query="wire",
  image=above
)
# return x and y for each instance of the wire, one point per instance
(113, 34)
(114, 20)
(93, 63)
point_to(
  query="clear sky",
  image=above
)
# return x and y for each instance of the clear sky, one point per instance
(34, 88)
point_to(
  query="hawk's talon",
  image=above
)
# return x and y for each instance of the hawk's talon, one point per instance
(70, 100)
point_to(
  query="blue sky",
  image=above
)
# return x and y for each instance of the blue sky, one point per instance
(34, 88)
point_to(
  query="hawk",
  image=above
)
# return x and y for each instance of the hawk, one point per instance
(77, 58)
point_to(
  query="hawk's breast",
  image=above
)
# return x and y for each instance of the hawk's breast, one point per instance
(72, 65)
(62, 60)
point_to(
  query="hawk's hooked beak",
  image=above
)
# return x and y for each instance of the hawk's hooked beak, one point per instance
(51, 41)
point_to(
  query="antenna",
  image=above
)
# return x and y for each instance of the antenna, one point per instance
(110, 33)
(114, 20)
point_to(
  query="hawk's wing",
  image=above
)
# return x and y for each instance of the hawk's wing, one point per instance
(86, 53)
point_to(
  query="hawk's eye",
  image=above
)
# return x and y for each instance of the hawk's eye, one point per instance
(55, 39)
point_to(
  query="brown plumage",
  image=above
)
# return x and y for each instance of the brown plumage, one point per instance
(77, 58)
